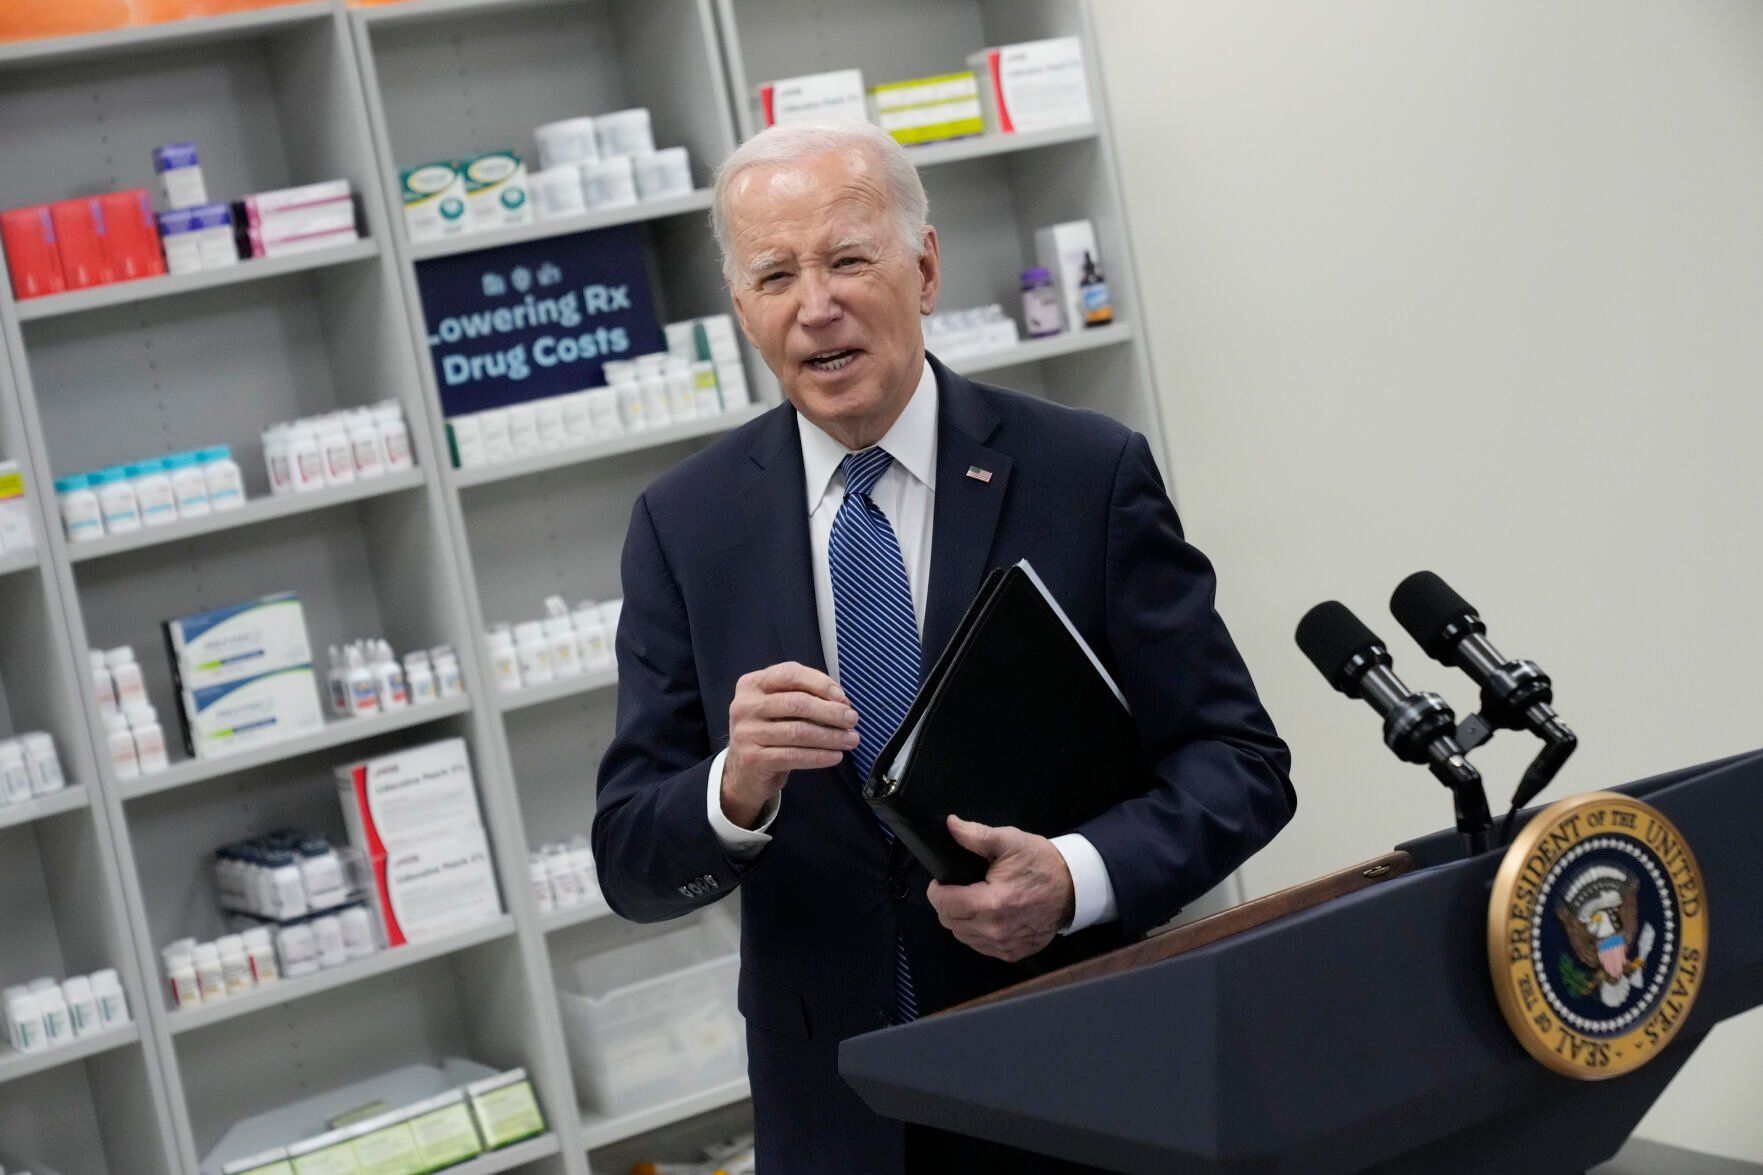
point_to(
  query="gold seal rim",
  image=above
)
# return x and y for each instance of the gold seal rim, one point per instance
(1500, 900)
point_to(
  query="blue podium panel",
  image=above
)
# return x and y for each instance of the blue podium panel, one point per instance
(1360, 1034)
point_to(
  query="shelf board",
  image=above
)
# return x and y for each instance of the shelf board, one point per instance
(1035, 350)
(68, 799)
(540, 230)
(338, 732)
(589, 911)
(599, 1130)
(162, 37)
(255, 269)
(983, 146)
(420, 11)
(649, 438)
(551, 691)
(15, 1065)
(253, 512)
(18, 561)
(510, 1157)
(379, 963)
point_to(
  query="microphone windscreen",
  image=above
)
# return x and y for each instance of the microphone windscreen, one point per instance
(1426, 606)
(1330, 635)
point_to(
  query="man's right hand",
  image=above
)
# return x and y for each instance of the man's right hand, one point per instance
(784, 718)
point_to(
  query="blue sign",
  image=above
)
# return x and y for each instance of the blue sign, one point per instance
(537, 319)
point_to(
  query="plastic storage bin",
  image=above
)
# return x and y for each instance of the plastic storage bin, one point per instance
(657, 1019)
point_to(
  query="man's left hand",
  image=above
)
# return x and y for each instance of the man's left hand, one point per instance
(1025, 900)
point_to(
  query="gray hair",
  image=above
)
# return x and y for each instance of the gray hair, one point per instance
(791, 142)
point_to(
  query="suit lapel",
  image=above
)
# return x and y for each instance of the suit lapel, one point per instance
(966, 511)
(777, 534)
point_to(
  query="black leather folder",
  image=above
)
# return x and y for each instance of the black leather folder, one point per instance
(1017, 724)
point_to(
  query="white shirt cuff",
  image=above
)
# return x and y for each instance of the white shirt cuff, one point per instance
(1092, 888)
(744, 843)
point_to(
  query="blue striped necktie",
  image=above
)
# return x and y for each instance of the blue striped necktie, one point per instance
(877, 635)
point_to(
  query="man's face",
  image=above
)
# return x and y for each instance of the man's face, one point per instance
(825, 291)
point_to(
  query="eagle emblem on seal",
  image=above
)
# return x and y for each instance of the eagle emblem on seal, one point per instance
(1600, 911)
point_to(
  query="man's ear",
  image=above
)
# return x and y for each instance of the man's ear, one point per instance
(930, 272)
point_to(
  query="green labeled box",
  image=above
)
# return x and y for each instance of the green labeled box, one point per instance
(505, 1108)
(327, 1154)
(443, 1130)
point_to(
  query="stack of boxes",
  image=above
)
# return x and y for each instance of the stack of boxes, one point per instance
(414, 815)
(1007, 90)
(429, 1135)
(448, 198)
(75, 244)
(296, 220)
(244, 675)
(198, 234)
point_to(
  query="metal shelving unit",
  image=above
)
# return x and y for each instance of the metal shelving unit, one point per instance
(338, 732)
(317, 90)
(381, 963)
(563, 226)
(252, 513)
(171, 285)
(67, 800)
(652, 438)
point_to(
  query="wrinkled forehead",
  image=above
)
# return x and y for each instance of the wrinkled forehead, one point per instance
(807, 205)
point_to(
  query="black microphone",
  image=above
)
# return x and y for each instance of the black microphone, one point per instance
(1515, 695)
(1418, 727)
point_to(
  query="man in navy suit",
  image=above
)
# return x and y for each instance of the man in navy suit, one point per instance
(787, 587)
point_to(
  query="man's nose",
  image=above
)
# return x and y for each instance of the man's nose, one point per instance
(816, 306)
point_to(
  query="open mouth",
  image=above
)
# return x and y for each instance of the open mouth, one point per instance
(833, 360)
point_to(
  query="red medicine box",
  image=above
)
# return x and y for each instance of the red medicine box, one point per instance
(131, 235)
(31, 254)
(79, 233)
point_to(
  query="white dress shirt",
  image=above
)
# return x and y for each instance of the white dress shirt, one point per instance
(906, 493)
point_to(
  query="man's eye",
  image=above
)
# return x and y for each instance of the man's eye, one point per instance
(847, 262)
(772, 279)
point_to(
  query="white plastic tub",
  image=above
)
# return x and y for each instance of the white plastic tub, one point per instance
(656, 1020)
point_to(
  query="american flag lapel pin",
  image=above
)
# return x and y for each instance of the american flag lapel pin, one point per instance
(978, 474)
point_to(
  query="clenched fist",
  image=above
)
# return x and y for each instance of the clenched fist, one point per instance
(784, 718)
(1027, 896)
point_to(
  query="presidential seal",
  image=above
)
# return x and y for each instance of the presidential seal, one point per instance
(1597, 935)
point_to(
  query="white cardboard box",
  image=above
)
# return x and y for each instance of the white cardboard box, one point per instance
(235, 716)
(1033, 85)
(1060, 249)
(817, 97)
(439, 886)
(394, 801)
(241, 640)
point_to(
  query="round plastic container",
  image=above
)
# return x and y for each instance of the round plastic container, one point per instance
(189, 486)
(624, 132)
(153, 492)
(565, 142)
(1040, 304)
(80, 512)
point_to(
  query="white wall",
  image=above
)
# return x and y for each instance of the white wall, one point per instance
(1472, 285)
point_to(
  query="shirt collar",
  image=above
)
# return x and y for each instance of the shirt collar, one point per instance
(912, 442)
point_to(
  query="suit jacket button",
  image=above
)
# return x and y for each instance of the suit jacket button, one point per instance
(897, 888)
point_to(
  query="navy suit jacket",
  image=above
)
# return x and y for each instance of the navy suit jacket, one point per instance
(717, 583)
